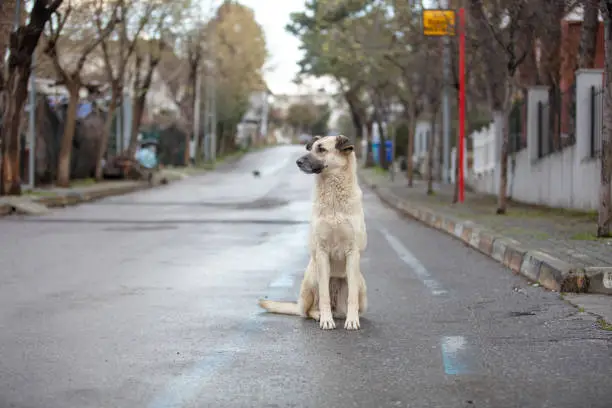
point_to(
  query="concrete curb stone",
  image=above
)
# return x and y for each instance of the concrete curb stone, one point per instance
(5, 209)
(550, 272)
(599, 278)
(74, 198)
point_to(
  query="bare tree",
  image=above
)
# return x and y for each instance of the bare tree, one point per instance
(70, 74)
(117, 54)
(588, 34)
(605, 199)
(22, 44)
(147, 58)
(180, 73)
(498, 25)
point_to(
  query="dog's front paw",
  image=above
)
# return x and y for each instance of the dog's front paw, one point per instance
(326, 322)
(352, 323)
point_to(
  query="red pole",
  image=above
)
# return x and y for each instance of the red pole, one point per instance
(461, 101)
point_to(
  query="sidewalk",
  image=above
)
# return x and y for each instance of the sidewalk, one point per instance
(556, 248)
(39, 200)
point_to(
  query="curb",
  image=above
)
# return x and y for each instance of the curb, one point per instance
(550, 272)
(75, 198)
(5, 209)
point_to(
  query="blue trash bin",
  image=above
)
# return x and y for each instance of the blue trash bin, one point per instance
(375, 154)
(389, 150)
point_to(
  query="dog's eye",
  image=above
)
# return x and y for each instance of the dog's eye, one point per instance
(321, 149)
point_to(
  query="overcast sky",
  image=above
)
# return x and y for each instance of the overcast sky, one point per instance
(284, 51)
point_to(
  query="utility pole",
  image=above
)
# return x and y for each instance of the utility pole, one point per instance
(210, 115)
(213, 94)
(264, 114)
(32, 128)
(446, 116)
(205, 141)
(196, 113)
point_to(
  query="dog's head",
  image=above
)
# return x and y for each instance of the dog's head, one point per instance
(326, 154)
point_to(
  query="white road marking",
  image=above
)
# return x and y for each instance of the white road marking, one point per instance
(409, 259)
(457, 356)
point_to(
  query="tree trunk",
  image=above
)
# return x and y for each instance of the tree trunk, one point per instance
(410, 151)
(588, 34)
(199, 150)
(456, 186)
(7, 18)
(605, 199)
(382, 154)
(63, 162)
(140, 100)
(357, 121)
(502, 197)
(193, 84)
(369, 153)
(528, 71)
(107, 132)
(430, 155)
(221, 144)
(138, 103)
(14, 92)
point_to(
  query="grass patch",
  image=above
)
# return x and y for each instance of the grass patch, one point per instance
(526, 210)
(603, 325)
(40, 193)
(584, 236)
(380, 170)
(83, 182)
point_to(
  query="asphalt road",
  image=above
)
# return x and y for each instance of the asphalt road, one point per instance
(150, 300)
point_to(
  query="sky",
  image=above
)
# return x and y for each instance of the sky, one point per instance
(283, 48)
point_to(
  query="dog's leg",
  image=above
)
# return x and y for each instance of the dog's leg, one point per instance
(341, 301)
(326, 321)
(363, 296)
(307, 292)
(353, 280)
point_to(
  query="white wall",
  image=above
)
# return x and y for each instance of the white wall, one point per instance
(453, 163)
(567, 179)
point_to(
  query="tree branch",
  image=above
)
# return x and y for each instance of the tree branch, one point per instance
(108, 29)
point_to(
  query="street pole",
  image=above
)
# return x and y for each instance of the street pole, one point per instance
(461, 102)
(264, 114)
(205, 148)
(32, 128)
(213, 95)
(196, 114)
(210, 114)
(446, 116)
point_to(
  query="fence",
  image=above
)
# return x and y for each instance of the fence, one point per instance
(596, 120)
(518, 127)
(556, 122)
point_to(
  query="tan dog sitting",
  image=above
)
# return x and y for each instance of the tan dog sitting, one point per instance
(333, 285)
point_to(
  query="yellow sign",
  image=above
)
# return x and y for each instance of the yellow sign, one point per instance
(439, 22)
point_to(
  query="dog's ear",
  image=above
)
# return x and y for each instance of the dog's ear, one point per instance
(344, 144)
(309, 144)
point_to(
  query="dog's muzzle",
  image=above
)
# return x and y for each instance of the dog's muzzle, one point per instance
(309, 164)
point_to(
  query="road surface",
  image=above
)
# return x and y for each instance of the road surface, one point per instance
(150, 300)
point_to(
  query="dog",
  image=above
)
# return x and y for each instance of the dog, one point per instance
(333, 286)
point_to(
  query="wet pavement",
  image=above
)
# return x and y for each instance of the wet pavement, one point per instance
(150, 300)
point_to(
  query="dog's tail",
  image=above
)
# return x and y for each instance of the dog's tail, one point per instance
(286, 308)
